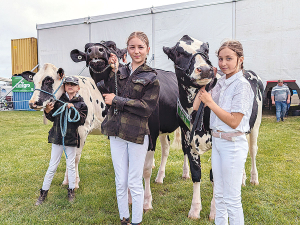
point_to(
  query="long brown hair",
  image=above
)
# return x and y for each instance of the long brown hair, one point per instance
(235, 46)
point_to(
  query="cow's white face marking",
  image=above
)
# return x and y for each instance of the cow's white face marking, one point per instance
(48, 70)
(199, 61)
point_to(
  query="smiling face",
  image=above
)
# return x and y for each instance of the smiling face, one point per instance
(138, 51)
(229, 62)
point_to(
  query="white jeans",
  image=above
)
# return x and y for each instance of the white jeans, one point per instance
(128, 160)
(228, 161)
(56, 153)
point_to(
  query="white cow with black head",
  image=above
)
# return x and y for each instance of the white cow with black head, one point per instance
(48, 79)
(194, 70)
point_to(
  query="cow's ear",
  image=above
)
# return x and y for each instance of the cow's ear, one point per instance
(27, 75)
(121, 52)
(77, 56)
(169, 53)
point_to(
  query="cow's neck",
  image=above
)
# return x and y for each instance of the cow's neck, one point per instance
(187, 96)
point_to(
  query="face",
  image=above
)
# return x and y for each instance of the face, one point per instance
(137, 50)
(229, 62)
(280, 83)
(71, 88)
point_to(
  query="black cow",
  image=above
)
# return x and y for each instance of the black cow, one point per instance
(193, 70)
(163, 120)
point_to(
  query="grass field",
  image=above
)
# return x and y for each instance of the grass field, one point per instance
(25, 154)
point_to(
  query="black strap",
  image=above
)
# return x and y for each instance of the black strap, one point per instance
(197, 125)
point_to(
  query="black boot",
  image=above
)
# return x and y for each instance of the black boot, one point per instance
(71, 195)
(125, 221)
(42, 197)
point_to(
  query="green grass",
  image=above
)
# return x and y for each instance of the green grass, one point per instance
(25, 154)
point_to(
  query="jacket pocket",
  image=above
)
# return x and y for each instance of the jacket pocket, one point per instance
(138, 87)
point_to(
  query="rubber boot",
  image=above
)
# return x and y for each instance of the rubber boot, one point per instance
(125, 221)
(71, 195)
(42, 197)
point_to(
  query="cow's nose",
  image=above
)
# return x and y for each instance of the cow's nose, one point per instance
(101, 49)
(32, 105)
(205, 71)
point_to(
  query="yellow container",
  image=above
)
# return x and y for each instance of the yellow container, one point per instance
(23, 55)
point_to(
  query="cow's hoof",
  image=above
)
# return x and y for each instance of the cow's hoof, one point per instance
(185, 177)
(254, 182)
(211, 217)
(194, 212)
(147, 203)
(65, 182)
(147, 210)
(160, 177)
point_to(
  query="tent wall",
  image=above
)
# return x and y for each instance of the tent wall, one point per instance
(164, 26)
(269, 31)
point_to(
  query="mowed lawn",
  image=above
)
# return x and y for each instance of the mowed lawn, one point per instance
(25, 154)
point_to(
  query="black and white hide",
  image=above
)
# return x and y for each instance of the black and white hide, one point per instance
(194, 70)
(48, 80)
(163, 120)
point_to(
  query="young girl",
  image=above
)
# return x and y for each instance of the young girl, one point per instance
(127, 123)
(231, 104)
(71, 140)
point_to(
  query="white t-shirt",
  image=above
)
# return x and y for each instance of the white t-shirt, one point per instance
(233, 95)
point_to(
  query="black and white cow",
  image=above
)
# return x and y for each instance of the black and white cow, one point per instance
(190, 57)
(48, 80)
(163, 120)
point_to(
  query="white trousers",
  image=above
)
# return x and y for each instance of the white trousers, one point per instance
(56, 153)
(228, 162)
(128, 161)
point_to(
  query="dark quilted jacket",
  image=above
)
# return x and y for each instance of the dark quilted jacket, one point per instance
(72, 137)
(137, 98)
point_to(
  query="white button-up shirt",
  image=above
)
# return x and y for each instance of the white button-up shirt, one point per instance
(233, 95)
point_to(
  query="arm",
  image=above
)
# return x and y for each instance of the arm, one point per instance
(82, 110)
(49, 110)
(239, 106)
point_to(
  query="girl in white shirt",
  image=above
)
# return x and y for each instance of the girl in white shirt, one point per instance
(231, 103)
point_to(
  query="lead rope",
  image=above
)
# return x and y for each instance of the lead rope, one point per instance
(116, 88)
(67, 116)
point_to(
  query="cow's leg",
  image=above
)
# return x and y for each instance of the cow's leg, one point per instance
(176, 144)
(252, 141)
(165, 148)
(212, 214)
(186, 169)
(147, 175)
(195, 166)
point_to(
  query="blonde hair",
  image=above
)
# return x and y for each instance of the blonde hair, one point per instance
(140, 35)
(235, 46)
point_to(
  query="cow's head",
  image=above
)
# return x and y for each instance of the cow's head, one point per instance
(47, 79)
(192, 64)
(96, 56)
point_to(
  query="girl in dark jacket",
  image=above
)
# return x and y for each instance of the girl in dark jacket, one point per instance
(127, 123)
(71, 139)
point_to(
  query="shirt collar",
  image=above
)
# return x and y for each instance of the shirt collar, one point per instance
(69, 96)
(233, 77)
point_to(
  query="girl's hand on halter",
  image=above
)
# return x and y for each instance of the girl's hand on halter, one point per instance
(114, 62)
(108, 98)
(204, 96)
(49, 107)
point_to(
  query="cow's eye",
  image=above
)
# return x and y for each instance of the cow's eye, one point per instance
(79, 57)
